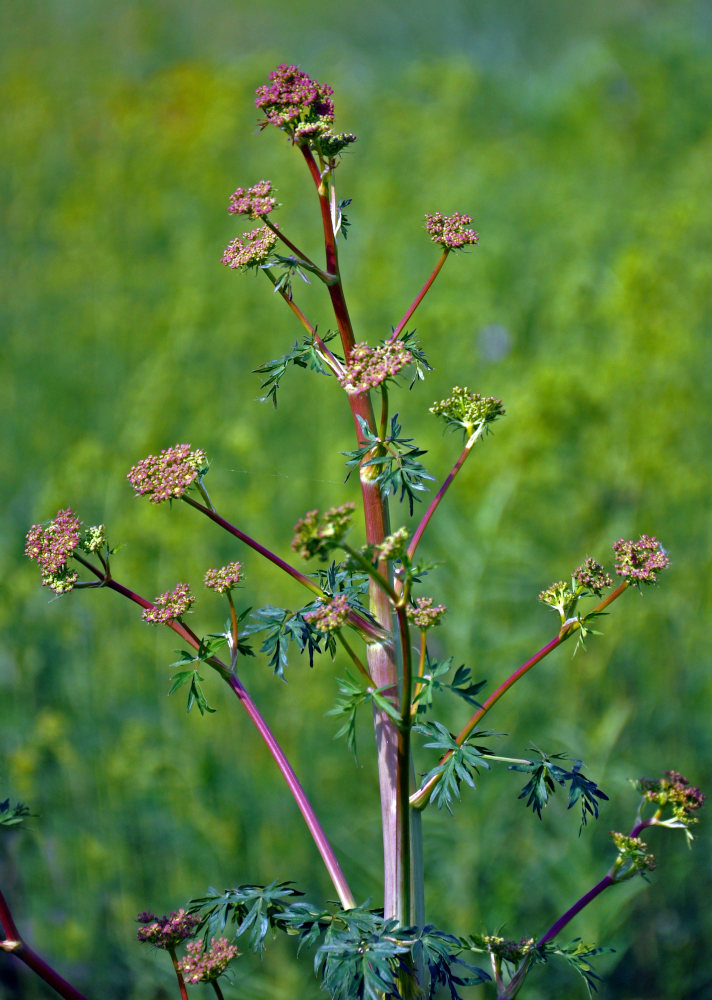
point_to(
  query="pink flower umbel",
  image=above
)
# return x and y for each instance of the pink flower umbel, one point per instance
(167, 931)
(425, 614)
(249, 250)
(253, 202)
(451, 231)
(369, 366)
(201, 967)
(169, 606)
(292, 97)
(223, 579)
(640, 561)
(332, 615)
(51, 546)
(167, 476)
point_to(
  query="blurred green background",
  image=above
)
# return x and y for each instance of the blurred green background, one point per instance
(579, 138)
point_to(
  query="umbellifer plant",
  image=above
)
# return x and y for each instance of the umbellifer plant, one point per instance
(365, 606)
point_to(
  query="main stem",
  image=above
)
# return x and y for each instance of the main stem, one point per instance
(381, 654)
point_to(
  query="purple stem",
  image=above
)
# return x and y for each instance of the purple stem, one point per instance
(420, 296)
(436, 500)
(32, 959)
(320, 839)
(315, 828)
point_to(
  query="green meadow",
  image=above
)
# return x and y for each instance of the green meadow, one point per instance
(579, 137)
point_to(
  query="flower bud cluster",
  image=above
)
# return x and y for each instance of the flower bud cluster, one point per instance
(393, 546)
(507, 949)
(592, 577)
(52, 545)
(468, 410)
(249, 250)
(167, 931)
(223, 579)
(675, 791)
(292, 98)
(169, 606)
(254, 202)
(450, 231)
(199, 966)
(317, 534)
(167, 476)
(633, 854)
(425, 614)
(331, 615)
(369, 366)
(640, 561)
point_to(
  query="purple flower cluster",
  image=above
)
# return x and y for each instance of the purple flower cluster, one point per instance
(223, 579)
(331, 615)
(369, 366)
(292, 97)
(254, 202)
(166, 931)
(317, 534)
(450, 231)
(169, 606)
(425, 614)
(167, 476)
(249, 250)
(201, 967)
(640, 561)
(52, 546)
(674, 790)
(592, 576)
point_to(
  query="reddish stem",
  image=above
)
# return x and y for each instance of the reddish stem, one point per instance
(436, 500)
(420, 296)
(420, 798)
(30, 957)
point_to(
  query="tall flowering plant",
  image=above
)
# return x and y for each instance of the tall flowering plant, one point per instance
(365, 607)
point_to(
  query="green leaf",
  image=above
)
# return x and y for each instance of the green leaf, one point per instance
(546, 775)
(196, 695)
(304, 355)
(463, 763)
(15, 815)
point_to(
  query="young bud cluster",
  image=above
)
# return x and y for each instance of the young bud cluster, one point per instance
(425, 614)
(317, 534)
(249, 250)
(199, 966)
(468, 410)
(640, 561)
(450, 231)
(633, 856)
(369, 367)
(223, 579)
(254, 202)
(393, 546)
(169, 606)
(166, 931)
(167, 476)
